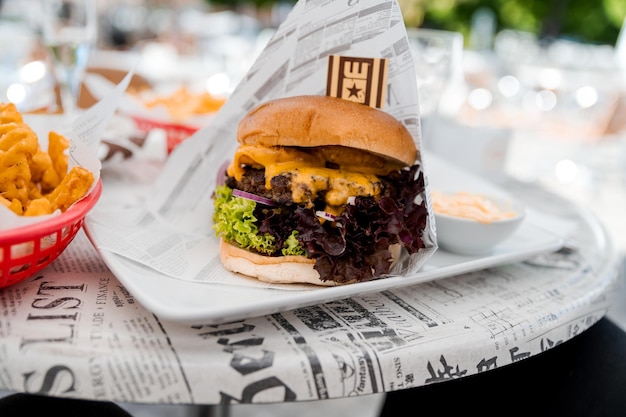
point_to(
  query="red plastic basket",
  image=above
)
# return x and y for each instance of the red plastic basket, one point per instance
(28, 249)
(175, 132)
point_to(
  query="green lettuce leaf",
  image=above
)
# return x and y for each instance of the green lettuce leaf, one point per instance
(235, 222)
(292, 246)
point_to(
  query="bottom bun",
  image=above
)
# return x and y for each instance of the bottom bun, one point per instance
(278, 269)
(274, 269)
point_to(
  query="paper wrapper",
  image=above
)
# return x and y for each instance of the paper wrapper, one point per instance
(172, 232)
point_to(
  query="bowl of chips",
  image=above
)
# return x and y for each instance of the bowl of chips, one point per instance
(174, 132)
(179, 113)
(43, 198)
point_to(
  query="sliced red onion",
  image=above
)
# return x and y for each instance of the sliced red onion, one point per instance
(221, 173)
(325, 215)
(352, 200)
(253, 197)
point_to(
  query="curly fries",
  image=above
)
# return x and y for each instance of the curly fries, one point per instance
(34, 182)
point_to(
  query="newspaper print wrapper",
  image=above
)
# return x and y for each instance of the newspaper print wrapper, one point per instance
(84, 132)
(171, 232)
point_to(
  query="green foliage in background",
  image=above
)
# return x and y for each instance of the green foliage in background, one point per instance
(596, 21)
(239, 3)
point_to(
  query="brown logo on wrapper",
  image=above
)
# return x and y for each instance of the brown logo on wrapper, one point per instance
(363, 80)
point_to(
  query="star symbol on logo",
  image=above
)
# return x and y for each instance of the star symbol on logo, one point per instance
(354, 91)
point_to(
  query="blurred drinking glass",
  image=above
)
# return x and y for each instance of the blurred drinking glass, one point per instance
(69, 30)
(437, 56)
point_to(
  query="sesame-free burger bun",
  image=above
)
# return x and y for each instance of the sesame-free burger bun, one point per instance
(279, 269)
(308, 121)
(274, 269)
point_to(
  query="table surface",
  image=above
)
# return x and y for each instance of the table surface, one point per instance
(74, 331)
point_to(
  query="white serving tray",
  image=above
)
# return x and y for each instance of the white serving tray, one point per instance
(206, 303)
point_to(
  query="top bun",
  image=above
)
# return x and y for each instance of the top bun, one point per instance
(308, 121)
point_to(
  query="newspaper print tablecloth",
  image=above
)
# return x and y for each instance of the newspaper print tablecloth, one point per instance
(74, 331)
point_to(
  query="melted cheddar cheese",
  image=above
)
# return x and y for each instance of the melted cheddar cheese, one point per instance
(356, 174)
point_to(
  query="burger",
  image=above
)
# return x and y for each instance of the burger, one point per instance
(320, 190)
